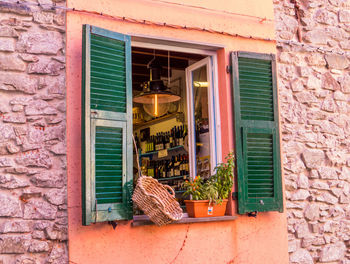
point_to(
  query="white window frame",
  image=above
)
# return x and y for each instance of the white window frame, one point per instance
(212, 73)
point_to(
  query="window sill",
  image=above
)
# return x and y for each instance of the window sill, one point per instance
(142, 220)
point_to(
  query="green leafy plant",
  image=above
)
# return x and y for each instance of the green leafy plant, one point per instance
(217, 187)
(194, 188)
(201, 189)
(223, 178)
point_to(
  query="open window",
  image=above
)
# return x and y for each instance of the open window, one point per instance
(177, 128)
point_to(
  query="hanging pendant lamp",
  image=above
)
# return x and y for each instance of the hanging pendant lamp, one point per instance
(154, 91)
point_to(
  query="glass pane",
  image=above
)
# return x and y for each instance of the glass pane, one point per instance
(201, 115)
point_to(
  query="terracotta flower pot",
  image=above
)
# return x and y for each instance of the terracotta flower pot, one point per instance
(201, 208)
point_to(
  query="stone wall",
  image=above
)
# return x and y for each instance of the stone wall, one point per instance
(33, 206)
(315, 123)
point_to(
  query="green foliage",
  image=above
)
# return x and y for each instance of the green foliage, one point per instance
(194, 188)
(223, 178)
(217, 187)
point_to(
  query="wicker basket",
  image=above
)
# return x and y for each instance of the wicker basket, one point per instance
(154, 199)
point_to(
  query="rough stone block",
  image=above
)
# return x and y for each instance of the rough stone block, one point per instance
(344, 16)
(45, 66)
(327, 198)
(313, 158)
(37, 42)
(345, 83)
(332, 252)
(312, 212)
(15, 226)
(59, 149)
(10, 206)
(7, 44)
(315, 59)
(6, 162)
(26, 260)
(292, 246)
(40, 158)
(49, 179)
(320, 185)
(18, 118)
(316, 36)
(301, 256)
(56, 196)
(16, 8)
(11, 62)
(18, 82)
(11, 182)
(39, 107)
(58, 254)
(335, 61)
(56, 232)
(43, 17)
(60, 18)
(7, 31)
(297, 85)
(306, 97)
(328, 82)
(37, 246)
(300, 195)
(37, 209)
(6, 133)
(13, 244)
(327, 173)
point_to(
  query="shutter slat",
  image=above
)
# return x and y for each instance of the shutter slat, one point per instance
(116, 82)
(255, 77)
(109, 76)
(107, 42)
(116, 69)
(114, 164)
(107, 53)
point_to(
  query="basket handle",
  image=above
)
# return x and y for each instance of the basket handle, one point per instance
(170, 190)
(137, 156)
(157, 200)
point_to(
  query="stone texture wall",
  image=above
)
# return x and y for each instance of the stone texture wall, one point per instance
(33, 206)
(315, 122)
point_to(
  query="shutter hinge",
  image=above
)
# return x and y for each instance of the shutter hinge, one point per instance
(234, 195)
(113, 224)
(228, 68)
(253, 214)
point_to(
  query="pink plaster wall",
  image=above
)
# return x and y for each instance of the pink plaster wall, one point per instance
(245, 240)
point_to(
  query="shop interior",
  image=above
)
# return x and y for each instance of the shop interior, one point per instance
(162, 116)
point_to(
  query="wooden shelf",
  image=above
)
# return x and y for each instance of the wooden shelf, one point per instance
(155, 152)
(171, 178)
(158, 120)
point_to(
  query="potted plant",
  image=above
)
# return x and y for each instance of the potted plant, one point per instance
(209, 197)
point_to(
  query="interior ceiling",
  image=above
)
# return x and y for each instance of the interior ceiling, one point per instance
(141, 57)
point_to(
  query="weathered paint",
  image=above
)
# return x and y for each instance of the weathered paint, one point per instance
(245, 240)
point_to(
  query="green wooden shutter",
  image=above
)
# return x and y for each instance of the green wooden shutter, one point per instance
(257, 135)
(106, 126)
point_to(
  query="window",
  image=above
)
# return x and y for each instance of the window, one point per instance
(108, 89)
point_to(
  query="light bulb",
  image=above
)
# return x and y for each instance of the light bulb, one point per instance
(155, 105)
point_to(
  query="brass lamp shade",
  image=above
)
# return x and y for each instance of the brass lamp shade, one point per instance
(163, 97)
(154, 91)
